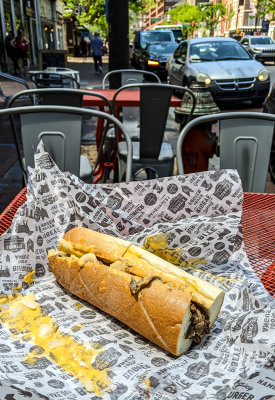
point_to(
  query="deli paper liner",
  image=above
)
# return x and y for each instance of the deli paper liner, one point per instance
(201, 214)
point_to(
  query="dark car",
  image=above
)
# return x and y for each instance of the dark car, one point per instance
(155, 57)
(262, 48)
(143, 38)
(228, 70)
(269, 107)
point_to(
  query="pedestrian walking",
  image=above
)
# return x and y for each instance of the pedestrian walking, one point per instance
(21, 45)
(96, 45)
(11, 51)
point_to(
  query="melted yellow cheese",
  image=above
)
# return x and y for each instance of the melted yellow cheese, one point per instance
(157, 245)
(29, 277)
(23, 317)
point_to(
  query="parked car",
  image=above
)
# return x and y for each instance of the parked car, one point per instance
(155, 56)
(143, 38)
(228, 70)
(269, 107)
(262, 48)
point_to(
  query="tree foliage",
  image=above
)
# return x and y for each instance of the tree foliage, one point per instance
(91, 13)
(208, 15)
(265, 9)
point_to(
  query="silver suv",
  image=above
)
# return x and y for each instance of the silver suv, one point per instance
(262, 48)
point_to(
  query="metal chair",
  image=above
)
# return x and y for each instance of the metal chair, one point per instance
(245, 140)
(128, 76)
(130, 115)
(47, 79)
(11, 78)
(60, 129)
(63, 97)
(150, 151)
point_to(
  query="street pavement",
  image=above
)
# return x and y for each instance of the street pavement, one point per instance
(10, 172)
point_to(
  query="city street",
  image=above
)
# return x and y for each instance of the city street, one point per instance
(11, 177)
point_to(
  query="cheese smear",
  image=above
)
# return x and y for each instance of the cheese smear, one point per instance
(23, 316)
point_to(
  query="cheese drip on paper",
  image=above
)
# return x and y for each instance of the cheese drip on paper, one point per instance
(158, 245)
(23, 317)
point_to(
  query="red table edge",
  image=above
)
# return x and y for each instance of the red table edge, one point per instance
(7, 215)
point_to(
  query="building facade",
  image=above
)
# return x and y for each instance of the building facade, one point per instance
(41, 21)
(244, 21)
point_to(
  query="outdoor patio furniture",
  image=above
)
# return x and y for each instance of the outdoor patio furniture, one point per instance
(245, 140)
(150, 151)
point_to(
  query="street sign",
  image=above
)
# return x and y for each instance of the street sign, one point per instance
(186, 25)
(154, 19)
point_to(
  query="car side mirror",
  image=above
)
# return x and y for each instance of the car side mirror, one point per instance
(179, 60)
(143, 46)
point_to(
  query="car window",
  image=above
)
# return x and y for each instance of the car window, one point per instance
(183, 53)
(216, 51)
(153, 37)
(178, 51)
(163, 48)
(177, 34)
(261, 40)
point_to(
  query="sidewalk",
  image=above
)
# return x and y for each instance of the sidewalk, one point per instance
(10, 172)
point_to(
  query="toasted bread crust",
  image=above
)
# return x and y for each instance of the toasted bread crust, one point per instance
(159, 305)
(156, 312)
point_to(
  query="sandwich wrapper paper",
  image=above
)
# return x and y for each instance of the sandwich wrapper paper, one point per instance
(201, 214)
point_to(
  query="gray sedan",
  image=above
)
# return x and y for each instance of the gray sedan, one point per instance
(223, 65)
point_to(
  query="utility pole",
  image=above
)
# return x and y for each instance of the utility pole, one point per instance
(118, 22)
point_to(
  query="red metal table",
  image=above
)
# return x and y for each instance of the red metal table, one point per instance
(127, 98)
(258, 224)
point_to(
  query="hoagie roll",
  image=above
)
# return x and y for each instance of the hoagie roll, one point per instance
(158, 300)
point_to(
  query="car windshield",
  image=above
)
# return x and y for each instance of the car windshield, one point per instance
(163, 48)
(154, 37)
(177, 33)
(262, 40)
(217, 51)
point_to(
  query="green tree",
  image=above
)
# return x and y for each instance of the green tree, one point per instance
(265, 9)
(186, 14)
(91, 13)
(212, 15)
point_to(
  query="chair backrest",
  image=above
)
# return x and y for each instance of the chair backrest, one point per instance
(54, 80)
(245, 145)
(154, 107)
(128, 76)
(59, 96)
(60, 129)
(29, 123)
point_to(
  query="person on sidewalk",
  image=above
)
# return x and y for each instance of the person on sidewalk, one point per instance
(96, 45)
(11, 51)
(21, 45)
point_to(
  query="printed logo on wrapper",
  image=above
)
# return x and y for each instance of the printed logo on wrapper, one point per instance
(114, 202)
(223, 189)
(249, 330)
(150, 199)
(14, 244)
(177, 204)
(172, 188)
(45, 161)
